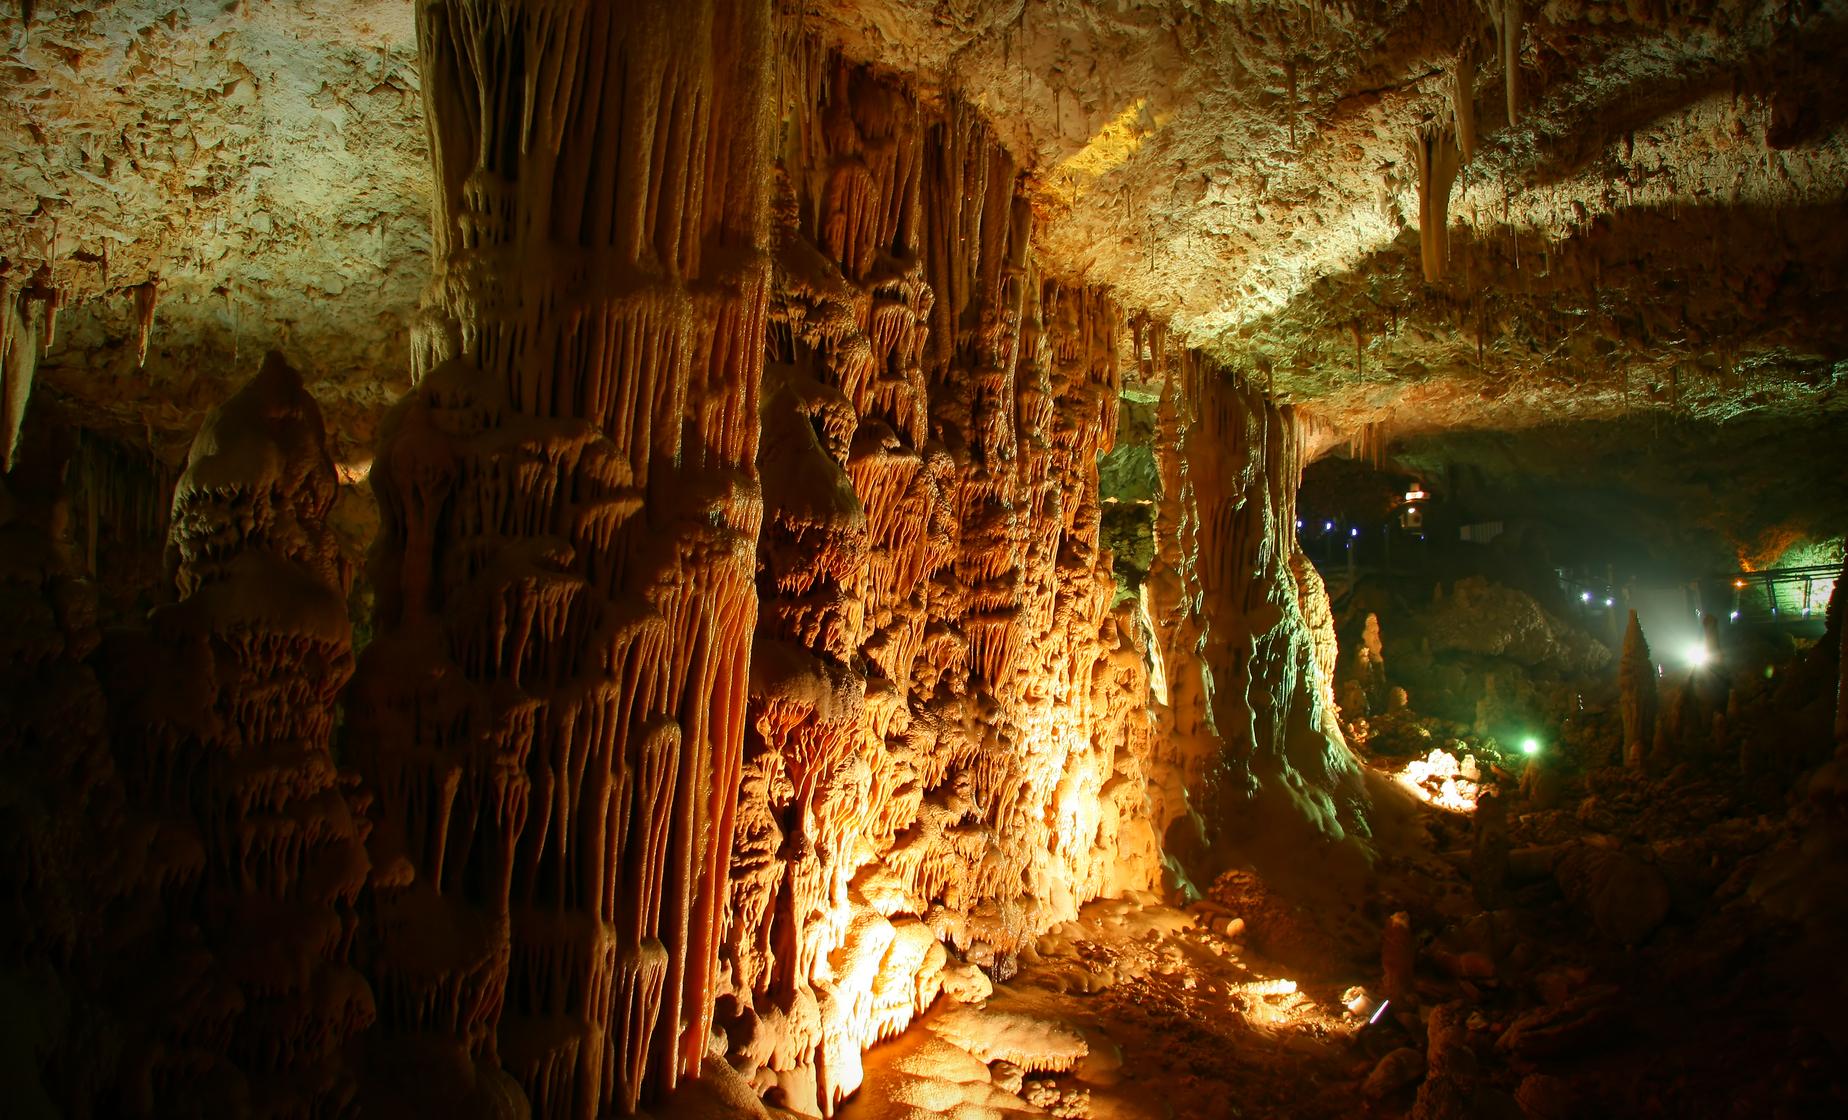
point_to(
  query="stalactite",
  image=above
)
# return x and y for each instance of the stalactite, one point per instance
(147, 295)
(1436, 156)
(1463, 98)
(19, 354)
(1509, 19)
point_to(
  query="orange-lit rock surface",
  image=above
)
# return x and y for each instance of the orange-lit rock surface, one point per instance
(648, 641)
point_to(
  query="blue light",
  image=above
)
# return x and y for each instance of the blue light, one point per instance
(1355, 532)
(1328, 526)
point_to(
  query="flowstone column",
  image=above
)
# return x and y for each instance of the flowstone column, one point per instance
(553, 711)
(1281, 784)
(224, 716)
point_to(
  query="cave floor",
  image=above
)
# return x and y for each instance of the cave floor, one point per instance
(1136, 1009)
(1139, 1009)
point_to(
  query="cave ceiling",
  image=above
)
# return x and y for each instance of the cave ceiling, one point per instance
(1657, 232)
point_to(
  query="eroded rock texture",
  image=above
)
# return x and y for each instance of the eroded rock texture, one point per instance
(1252, 743)
(947, 720)
(553, 710)
(223, 711)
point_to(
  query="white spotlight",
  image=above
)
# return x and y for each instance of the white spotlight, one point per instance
(1584, 596)
(1698, 655)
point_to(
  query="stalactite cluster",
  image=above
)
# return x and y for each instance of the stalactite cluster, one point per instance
(223, 713)
(747, 668)
(552, 713)
(947, 728)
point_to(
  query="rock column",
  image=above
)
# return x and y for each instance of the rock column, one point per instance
(553, 712)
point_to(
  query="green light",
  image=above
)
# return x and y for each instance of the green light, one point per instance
(1530, 745)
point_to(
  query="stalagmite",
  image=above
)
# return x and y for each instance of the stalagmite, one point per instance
(1636, 685)
(1398, 957)
(1370, 663)
(224, 716)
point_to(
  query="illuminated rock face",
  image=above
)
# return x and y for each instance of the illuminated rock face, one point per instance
(744, 648)
(948, 723)
(552, 713)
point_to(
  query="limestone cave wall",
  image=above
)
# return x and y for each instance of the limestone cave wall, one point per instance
(745, 668)
(948, 721)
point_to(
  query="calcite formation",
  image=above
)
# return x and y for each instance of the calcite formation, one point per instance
(1436, 156)
(947, 720)
(224, 711)
(553, 710)
(1256, 742)
(747, 677)
(1636, 683)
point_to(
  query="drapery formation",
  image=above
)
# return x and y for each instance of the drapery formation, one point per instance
(552, 713)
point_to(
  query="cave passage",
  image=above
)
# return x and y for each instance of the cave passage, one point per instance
(757, 558)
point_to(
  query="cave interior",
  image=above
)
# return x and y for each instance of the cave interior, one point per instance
(888, 559)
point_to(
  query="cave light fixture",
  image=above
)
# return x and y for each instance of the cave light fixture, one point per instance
(1698, 655)
(1530, 746)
